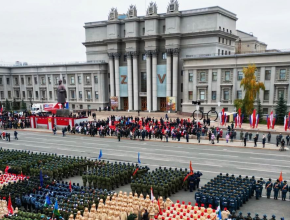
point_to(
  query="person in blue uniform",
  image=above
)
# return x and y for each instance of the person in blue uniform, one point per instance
(276, 188)
(269, 187)
(284, 189)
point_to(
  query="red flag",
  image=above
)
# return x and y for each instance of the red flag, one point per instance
(10, 208)
(6, 169)
(280, 177)
(190, 168)
(185, 178)
(69, 186)
(135, 171)
(254, 118)
(160, 212)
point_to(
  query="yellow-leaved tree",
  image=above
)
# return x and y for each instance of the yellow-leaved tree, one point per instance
(251, 87)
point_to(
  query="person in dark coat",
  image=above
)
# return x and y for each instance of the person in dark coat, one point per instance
(145, 215)
(264, 140)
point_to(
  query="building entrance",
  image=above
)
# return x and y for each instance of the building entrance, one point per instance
(143, 103)
(125, 103)
(163, 104)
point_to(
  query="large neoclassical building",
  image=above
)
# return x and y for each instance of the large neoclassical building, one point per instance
(191, 55)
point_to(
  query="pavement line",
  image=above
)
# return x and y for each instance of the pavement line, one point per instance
(244, 168)
(218, 155)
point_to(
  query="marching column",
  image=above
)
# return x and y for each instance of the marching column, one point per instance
(136, 82)
(111, 67)
(175, 75)
(168, 72)
(148, 70)
(117, 78)
(154, 80)
(130, 82)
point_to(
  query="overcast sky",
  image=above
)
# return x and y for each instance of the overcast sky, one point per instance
(39, 31)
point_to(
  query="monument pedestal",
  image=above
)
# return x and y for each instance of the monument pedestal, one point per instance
(62, 113)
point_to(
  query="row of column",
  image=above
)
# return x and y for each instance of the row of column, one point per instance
(151, 71)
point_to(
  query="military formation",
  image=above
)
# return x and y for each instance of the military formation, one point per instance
(106, 175)
(165, 182)
(278, 186)
(229, 191)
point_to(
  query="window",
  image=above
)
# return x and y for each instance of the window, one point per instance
(23, 94)
(240, 75)
(226, 41)
(29, 94)
(96, 95)
(42, 80)
(190, 76)
(223, 40)
(201, 109)
(226, 109)
(230, 31)
(73, 106)
(81, 106)
(164, 29)
(222, 52)
(202, 95)
(89, 96)
(16, 80)
(143, 31)
(43, 94)
(143, 56)
(88, 80)
(79, 79)
(265, 111)
(49, 80)
(280, 93)
(50, 94)
(96, 79)
(125, 58)
(181, 87)
(226, 95)
(64, 80)
(227, 30)
(220, 28)
(239, 94)
(213, 95)
(227, 76)
(212, 108)
(164, 56)
(219, 51)
(282, 75)
(1, 81)
(35, 80)
(17, 94)
(72, 80)
(36, 94)
(56, 80)
(181, 101)
(229, 52)
(143, 82)
(190, 95)
(72, 94)
(223, 29)
(202, 77)
(7, 81)
(22, 81)
(2, 94)
(226, 52)
(80, 94)
(219, 39)
(9, 94)
(266, 95)
(214, 76)
(268, 75)
(124, 33)
(181, 72)
(29, 80)
(230, 42)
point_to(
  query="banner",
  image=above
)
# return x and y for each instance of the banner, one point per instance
(161, 80)
(170, 103)
(114, 102)
(123, 81)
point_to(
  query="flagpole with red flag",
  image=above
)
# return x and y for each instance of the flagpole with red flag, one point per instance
(9, 207)
(280, 177)
(69, 186)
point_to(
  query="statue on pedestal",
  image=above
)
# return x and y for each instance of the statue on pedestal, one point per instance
(61, 93)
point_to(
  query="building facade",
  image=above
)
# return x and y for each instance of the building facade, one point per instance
(141, 60)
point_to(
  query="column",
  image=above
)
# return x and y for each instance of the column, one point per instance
(194, 89)
(262, 79)
(93, 87)
(218, 88)
(154, 80)
(111, 68)
(234, 92)
(185, 86)
(148, 71)
(117, 78)
(168, 72)
(209, 84)
(136, 81)
(272, 84)
(175, 76)
(130, 81)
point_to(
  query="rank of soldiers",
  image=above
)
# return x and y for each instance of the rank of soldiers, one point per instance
(229, 191)
(108, 175)
(165, 182)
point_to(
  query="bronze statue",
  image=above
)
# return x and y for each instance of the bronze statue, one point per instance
(61, 93)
